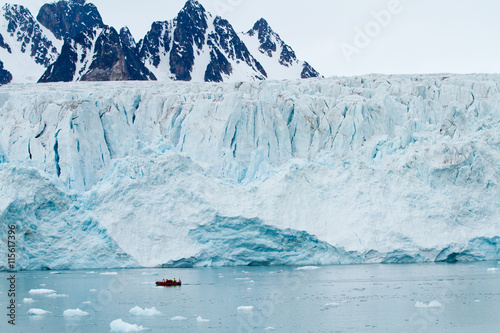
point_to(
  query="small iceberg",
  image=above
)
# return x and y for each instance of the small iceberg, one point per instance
(37, 312)
(75, 313)
(178, 318)
(307, 268)
(109, 273)
(431, 304)
(56, 295)
(332, 305)
(41, 291)
(137, 311)
(119, 325)
(201, 320)
(28, 300)
(245, 308)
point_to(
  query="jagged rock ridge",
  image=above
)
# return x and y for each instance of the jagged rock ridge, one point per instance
(26, 48)
(194, 46)
(97, 55)
(69, 18)
(197, 46)
(271, 48)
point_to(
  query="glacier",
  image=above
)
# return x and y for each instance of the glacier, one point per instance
(371, 169)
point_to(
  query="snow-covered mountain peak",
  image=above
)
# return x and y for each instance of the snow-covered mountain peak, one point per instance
(274, 54)
(69, 18)
(127, 38)
(97, 54)
(271, 43)
(196, 46)
(26, 48)
(193, 46)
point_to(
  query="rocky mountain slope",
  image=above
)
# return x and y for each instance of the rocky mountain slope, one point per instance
(70, 42)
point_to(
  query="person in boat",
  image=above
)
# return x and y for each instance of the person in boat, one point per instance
(174, 280)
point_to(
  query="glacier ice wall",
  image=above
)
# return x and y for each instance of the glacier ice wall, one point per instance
(362, 169)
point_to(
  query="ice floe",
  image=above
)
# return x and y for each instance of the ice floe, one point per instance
(431, 304)
(41, 291)
(138, 311)
(119, 325)
(245, 308)
(75, 313)
(38, 312)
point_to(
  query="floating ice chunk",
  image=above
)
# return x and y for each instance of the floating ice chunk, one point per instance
(56, 295)
(178, 318)
(38, 312)
(28, 300)
(431, 304)
(493, 269)
(245, 308)
(332, 305)
(270, 328)
(93, 290)
(92, 272)
(307, 268)
(477, 301)
(201, 320)
(75, 313)
(41, 291)
(149, 273)
(137, 311)
(87, 302)
(56, 273)
(242, 279)
(42, 285)
(109, 273)
(119, 325)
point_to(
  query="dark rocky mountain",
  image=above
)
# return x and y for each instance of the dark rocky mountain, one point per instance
(127, 39)
(69, 18)
(194, 46)
(272, 46)
(5, 75)
(226, 39)
(98, 54)
(189, 37)
(172, 49)
(24, 41)
(157, 43)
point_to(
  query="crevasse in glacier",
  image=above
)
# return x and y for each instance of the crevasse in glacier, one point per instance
(323, 171)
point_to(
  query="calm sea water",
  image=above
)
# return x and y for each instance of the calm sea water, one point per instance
(361, 298)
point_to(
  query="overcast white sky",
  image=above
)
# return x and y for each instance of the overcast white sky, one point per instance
(419, 36)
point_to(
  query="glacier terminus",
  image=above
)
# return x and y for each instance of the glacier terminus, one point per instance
(371, 169)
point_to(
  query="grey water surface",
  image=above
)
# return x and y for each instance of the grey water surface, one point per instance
(352, 298)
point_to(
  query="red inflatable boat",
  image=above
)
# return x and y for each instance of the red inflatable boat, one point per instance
(168, 283)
